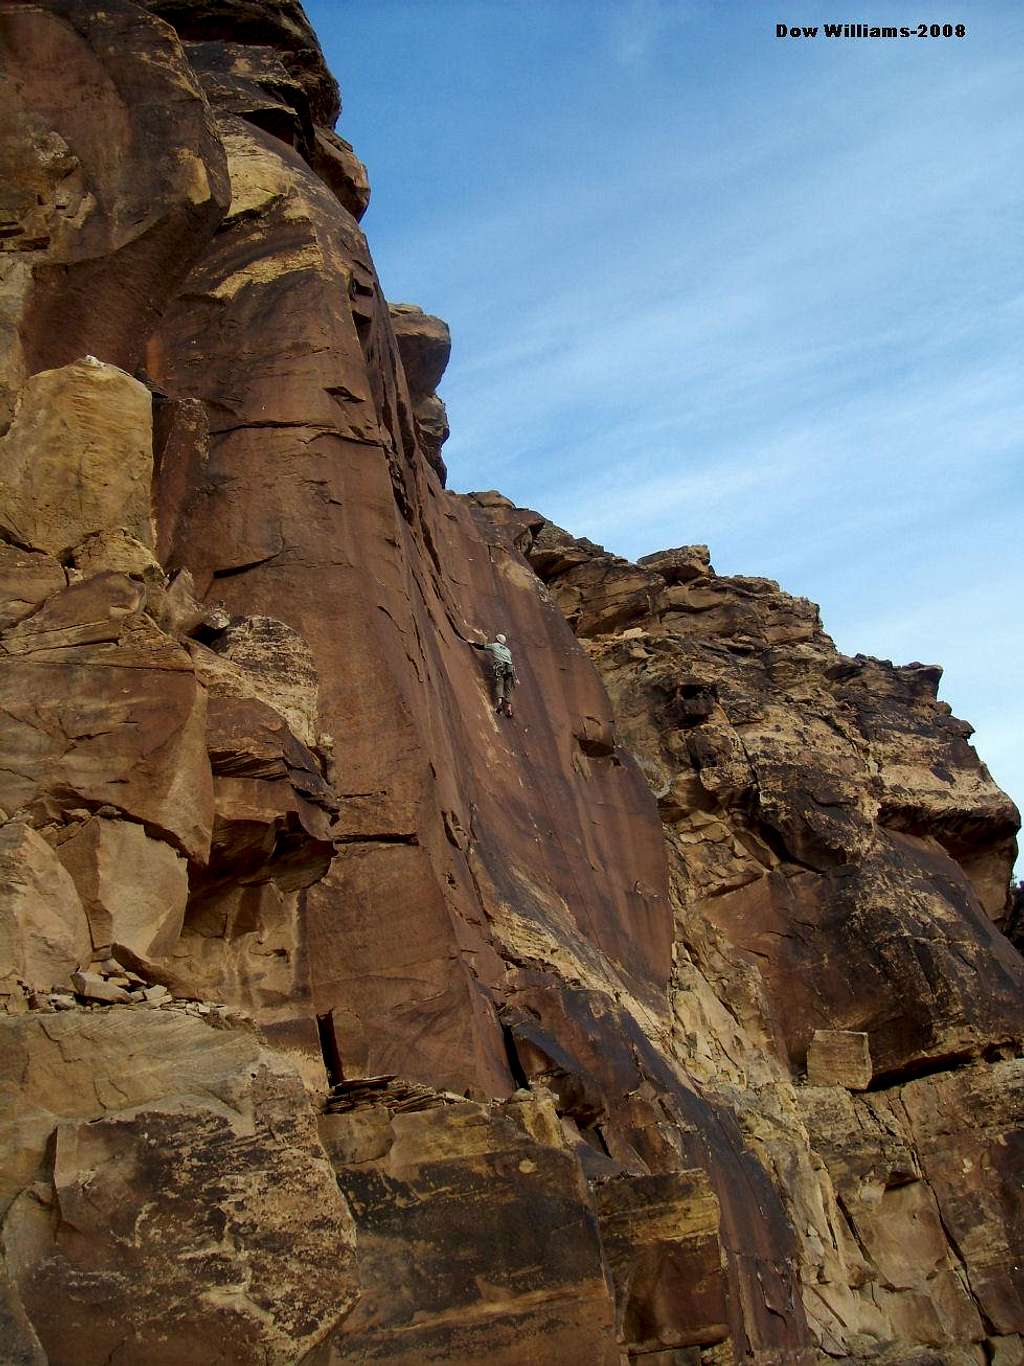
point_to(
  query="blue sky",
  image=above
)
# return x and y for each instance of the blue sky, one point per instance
(707, 284)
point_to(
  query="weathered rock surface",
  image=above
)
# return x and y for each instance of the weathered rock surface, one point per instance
(27, 579)
(839, 1057)
(456, 1210)
(550, 988)
(166, 1193)
(335, 162)
(77, 459)
(133, 888)
(790, 777)
(114, 181)
(424, 344)
(813, 804)
(278, 24)
(100, 708)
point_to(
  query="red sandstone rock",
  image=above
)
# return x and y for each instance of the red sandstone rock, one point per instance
(115, 181)
(616, 923)
(335, 162)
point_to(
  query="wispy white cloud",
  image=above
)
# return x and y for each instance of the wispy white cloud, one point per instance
(638, 27)
(704, 286)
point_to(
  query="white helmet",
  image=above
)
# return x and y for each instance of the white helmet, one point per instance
(500, 638)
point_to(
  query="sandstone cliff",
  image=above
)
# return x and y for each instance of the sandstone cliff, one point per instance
(347, 1021)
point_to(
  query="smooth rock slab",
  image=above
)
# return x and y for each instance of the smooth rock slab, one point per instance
(134, 888)
(476, 1244)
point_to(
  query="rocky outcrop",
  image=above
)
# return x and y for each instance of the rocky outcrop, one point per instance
(114, 182)
(815, 810)
(810, 800)
(424, 344)
(157, 1210)
(78, 458)
(672, 1021)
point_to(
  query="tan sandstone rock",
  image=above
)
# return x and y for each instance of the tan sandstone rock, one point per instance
(707, 835)
(78, 458)
(117, 550)
(660, 1238)
(133, 888)
(27, 579)
(466, 1271)
(91, 612)
(264, 659)
(44, 934)
(839, 1057)
(118, 722)
(166, 1186)
(94, 987)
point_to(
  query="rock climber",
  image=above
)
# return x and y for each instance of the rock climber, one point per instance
(505, 678)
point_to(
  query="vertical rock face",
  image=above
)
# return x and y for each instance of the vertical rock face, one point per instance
(411, 1032)
(114, 180)
(829, 898)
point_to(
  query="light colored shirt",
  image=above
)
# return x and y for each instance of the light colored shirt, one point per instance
(499, 651)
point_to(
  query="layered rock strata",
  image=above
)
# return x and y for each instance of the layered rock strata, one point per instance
(344, 1019)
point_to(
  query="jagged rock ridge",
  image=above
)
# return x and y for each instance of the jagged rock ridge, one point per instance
(675, 1022)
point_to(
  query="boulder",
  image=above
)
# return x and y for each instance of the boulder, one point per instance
(96, 988)
(424, 343)
(680, 565)
(77, 459)
(336, 163)
(839, 1057)
(133, 888)
(119, 551)
(44, 933)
